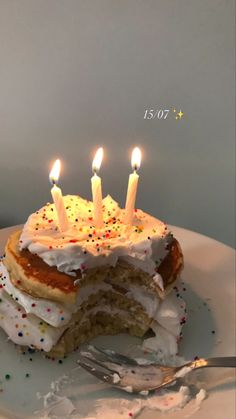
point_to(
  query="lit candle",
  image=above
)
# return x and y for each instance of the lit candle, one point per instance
(57, 197)
(132, 186)
(97, 189)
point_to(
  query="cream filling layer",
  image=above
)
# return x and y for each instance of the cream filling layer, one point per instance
(27, 329)
(58, 315)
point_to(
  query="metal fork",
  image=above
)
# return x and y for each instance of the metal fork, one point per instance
(127, 374)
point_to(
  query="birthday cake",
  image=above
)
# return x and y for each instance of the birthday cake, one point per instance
(60, 289)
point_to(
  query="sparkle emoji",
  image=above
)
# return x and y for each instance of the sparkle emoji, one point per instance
(178, 115)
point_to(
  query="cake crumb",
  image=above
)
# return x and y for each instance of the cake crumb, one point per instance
(116, 378)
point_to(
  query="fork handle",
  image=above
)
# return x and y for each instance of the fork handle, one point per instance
(227, 361)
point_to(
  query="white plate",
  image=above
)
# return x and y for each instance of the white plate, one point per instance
(209, 278)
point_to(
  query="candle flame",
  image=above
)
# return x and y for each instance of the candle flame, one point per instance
(55, 172)
(136, 158)
(97, 161)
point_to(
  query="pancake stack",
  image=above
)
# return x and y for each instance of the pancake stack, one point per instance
(62, 289)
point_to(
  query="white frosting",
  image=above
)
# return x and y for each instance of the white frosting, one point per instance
(201, 395)
(164, 400)
(167, 327)
(26, 329)
(129, 389)
(51, 312)
(169, 313)
(114, 407)
(142, 244)
(144, 393)
(116, 378)
(55, 406)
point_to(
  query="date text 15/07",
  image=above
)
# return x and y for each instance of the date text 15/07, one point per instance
(156, 113)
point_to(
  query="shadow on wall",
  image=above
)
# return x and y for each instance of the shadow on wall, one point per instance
(26, 191)
(7, 222)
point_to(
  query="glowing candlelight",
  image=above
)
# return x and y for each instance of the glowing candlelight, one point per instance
(132, 186)
(57, 196)
(96, 184)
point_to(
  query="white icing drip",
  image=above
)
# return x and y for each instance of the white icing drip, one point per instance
(143, 244)
(170, 312)
(51, 312)
(26, 329)
(166, 326)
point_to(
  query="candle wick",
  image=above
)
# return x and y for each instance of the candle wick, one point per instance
(52, 181)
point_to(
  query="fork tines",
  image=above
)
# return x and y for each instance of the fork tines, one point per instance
(90, 365)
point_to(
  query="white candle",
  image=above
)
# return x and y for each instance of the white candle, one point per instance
(132, 186)
(96, 184)
(58, 198)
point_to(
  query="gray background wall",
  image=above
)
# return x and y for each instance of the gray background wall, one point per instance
(77, 74)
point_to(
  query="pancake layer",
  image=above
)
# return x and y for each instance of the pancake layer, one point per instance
(32, 275)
